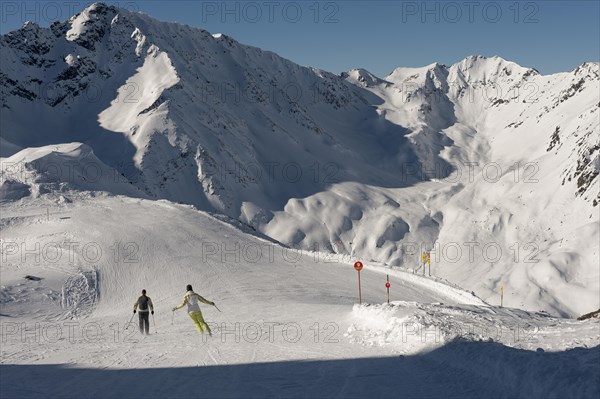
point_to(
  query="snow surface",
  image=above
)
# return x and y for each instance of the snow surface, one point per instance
(299, 330)
(79, 24)
(164, 156)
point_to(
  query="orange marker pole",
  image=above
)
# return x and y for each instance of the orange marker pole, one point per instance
(358, 266)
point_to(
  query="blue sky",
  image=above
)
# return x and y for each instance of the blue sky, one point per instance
(551, 36)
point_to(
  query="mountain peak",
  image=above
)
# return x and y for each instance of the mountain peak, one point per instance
(362, 77)
(435, 71)
(481, 68)
(482, 59)
(90, 24)
(588, 68)
(30, 25)
(98, 8)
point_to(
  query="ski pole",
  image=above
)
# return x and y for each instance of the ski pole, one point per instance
(154, 323)
(130, 320)
(216, 307)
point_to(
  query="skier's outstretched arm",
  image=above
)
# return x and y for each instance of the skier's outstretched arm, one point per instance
(181, 305)
(135, 305)
(203, 300)
(151, 305)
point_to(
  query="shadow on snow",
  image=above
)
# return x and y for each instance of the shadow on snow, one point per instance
(458, 369)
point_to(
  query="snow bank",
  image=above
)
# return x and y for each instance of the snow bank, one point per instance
(57, 169)
(411, 327)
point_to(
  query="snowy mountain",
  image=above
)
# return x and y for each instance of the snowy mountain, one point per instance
(483, 156)
(518, 205)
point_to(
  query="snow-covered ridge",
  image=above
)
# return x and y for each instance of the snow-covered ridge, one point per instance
(57, 169)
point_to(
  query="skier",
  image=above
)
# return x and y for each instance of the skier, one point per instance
(191, 300)
(145, 304)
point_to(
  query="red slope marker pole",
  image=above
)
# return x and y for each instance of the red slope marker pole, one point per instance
(358, 266)
(387, 285)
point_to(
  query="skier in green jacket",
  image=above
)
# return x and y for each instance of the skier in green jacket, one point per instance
(191, 300)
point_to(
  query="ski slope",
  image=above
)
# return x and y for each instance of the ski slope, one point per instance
(289, 324)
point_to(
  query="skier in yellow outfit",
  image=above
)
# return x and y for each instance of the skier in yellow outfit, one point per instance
(191, 300)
